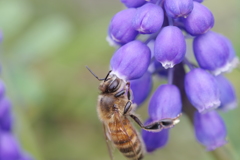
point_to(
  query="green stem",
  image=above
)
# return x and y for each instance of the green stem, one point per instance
(223, 153)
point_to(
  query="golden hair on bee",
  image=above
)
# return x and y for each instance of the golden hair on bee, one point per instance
(114, 110)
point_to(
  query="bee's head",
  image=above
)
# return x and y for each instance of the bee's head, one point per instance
(110, 84)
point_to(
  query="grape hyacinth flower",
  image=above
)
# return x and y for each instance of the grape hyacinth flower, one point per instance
(176, 8)
(210, 129)
(153, 42)
(9, 146)
(148, 19)
(5, 114)
(199, 21)
(202, 90)
(212, 52)
(154, 140)
(131, 60)
(120, 29)
(165, 103)
(10, 149)
(170, 46)
(227, 94)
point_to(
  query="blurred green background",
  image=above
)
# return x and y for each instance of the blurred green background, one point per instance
(47, 44)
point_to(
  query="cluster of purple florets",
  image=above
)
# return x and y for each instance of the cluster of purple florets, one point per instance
(151, 36)
(9, 146)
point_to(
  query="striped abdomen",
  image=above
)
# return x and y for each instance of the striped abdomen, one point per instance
(126, 139)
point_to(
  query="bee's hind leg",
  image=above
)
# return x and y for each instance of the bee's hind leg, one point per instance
(157, 126)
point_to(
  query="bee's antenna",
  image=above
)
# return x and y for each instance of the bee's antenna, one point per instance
(100, 79)
(107, 76)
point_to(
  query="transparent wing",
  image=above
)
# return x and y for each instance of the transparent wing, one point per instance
(108, 141)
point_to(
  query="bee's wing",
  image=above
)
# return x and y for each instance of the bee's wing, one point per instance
(108, 141)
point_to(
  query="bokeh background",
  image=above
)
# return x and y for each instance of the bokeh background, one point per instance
(47, 44)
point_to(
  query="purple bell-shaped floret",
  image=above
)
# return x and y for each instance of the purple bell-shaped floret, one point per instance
(148, 18)
(210, 130)
(170, 46)
(131, 60)
(202, 90)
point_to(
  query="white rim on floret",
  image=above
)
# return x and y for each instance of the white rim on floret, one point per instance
(111, 42)
(168, 64)
(141, 29)
(234, 63)
(216, 145)
(210, 106)
(229, 106)
(226, 68)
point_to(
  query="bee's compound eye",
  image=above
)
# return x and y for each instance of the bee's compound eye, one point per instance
(113, 86)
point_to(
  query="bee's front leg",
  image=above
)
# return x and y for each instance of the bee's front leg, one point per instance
(120, 93)
(128, 105)
(157, 126)
(129, 93)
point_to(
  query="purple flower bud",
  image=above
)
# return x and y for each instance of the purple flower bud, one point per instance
(5, 114)
(227, 94)
(176, 8)
(133, 3)
(210, 130)
(148, 18)
(212, 52)
(154, 140)
(199, 21)
(2, 89)
(141, 88)
(9, 148)
(170, 46)
(131, 60)
(120, 28)
(202, 90)
(165, 102)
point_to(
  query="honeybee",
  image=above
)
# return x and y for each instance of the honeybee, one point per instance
(114, 110)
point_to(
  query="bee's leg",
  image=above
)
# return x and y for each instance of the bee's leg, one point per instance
(122, 92)
(151, 127)
(129, 95)
(157, 126)
(127, 107)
